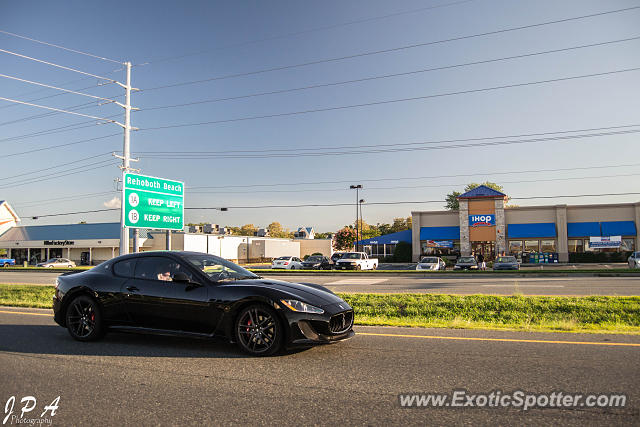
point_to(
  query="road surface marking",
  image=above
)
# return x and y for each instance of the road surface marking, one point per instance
(435, 337)
(524, 286)
(356, 281)
(24, 312)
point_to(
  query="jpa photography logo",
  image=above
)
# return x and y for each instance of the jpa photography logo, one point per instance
(20, 414)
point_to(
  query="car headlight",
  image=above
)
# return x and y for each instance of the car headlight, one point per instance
(301, 307)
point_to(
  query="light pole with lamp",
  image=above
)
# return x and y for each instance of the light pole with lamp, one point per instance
(356, 187)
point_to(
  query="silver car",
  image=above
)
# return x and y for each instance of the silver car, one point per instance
(431, 263)
(634, 260)
(57, 262)
(466, 263)
(506, 263)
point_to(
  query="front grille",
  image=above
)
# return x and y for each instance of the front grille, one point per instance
(341, 322)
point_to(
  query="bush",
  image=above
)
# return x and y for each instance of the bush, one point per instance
(587, 257)
(402, 252)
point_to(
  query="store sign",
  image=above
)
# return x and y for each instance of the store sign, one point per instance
(439, 244)
(605, 242)
(59, 242)
(482, 220)
(152, 202)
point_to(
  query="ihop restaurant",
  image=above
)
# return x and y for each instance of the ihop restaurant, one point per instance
(483, 225)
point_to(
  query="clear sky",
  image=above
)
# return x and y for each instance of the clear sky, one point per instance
(175, 42)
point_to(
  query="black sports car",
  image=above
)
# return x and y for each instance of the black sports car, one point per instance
(200, 295)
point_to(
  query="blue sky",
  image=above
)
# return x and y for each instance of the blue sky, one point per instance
(161, 38)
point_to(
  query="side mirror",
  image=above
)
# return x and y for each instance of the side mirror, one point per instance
(181, 277)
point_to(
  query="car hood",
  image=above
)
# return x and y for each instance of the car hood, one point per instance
(425, 264)
(312, 294)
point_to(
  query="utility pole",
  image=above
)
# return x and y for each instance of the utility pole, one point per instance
(361, 201)
(357, 188)
(126, 156)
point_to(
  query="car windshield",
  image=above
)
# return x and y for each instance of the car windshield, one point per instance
(467, 259)
(283, 258)
(429, 261)
(52, 260)
(314, 259)
(219, 269)
(506, 259)
(351, 255)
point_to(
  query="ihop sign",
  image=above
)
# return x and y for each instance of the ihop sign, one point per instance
(487, 220)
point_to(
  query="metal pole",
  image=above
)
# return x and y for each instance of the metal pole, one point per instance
(168, 240)
(126, 154)
(357, 234)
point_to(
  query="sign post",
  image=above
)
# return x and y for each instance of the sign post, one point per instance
(152, 202)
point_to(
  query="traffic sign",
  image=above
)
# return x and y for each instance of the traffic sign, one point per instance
(152, 202)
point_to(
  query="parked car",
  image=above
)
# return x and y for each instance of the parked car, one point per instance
(634, 260)
(466, 263)
(57, 262)
(317, 262)
(356, 261)
(6, 262)
(198, 295)
(506, 263)
(287, 263)
(431, 263)
(336, 256)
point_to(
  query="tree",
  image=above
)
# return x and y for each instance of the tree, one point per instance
(452, 198)
(248, 230)
(323, 235)
(345, 238)
(275, 230)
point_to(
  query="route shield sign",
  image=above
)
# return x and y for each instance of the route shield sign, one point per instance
(152, 202)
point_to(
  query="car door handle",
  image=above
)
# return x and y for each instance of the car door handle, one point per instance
(132, 289)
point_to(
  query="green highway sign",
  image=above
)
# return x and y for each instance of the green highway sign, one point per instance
(152, 202)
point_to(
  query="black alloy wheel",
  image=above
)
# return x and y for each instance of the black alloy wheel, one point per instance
(258, 330)
(84, 321)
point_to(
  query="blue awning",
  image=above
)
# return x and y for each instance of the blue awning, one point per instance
(388, 239)
(619, 228)
(583, 229)
(522, 231)
(439, 233)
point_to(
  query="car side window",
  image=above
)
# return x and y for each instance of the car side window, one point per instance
(159, 268)
(124, 268)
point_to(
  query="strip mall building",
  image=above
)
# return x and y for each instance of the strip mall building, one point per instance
(483, 225)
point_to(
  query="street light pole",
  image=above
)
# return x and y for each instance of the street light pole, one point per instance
(356, 187)
(360, 202)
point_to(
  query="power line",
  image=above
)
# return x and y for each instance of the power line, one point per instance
(391, 101)
(56, 88)
(49, 114)
(55, 65)
(55, 167)
(56, 109)
(52, 147)
(60, 47)
(58, 175)
(402, 144)
(67, 128)
(305, 32)
(333, 190)
(395, 49)
(425, 70)
(30, 204)
(395, 150)
(315, 205)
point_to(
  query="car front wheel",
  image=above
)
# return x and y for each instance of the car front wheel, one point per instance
(258, 330)
(84, 320)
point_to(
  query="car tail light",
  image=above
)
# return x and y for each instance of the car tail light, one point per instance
(286, 263)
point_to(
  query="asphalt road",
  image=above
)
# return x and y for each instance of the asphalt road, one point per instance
(150, 380)
(456, 285)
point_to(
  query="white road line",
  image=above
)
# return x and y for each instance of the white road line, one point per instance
(524, 286)
(356, 281)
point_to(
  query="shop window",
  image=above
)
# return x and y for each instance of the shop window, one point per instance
(575, 245)
(531, 245)
(515, 247)
(628, 245)
(548, 246)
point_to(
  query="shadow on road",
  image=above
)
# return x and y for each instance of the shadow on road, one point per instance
(52, 339)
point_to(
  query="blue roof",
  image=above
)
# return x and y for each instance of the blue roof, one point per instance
(388, 239)
(105, 230)
(619, 228)
(481, 191)
(540, 229)
(439, 233)
(583, 229)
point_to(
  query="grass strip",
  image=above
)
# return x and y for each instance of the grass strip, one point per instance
(593, 314)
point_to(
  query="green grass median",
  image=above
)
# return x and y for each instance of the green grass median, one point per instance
(604, 314)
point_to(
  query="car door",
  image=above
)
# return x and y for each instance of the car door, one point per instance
(154, 300)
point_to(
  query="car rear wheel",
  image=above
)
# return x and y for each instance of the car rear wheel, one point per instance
(84, 320)
(258, 330)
